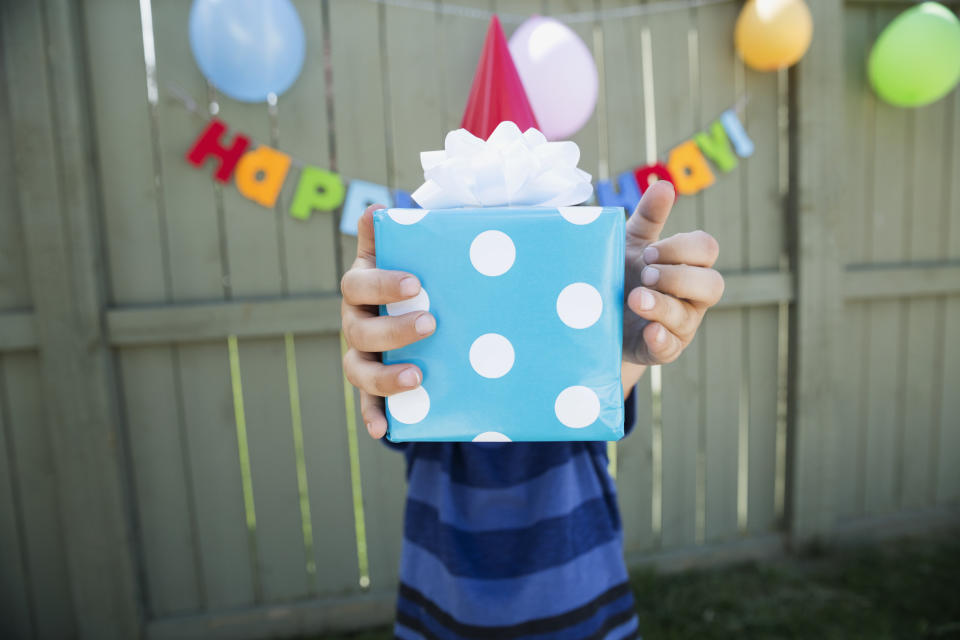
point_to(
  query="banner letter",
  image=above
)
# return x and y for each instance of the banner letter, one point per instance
(737, 134)
(361, 195)
(209, 144)
(260, 174)
(716, 147)
(689, 169)
(628, 197)
(318, 190)
(645, 176)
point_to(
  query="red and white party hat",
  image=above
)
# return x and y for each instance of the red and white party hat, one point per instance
(497, 93)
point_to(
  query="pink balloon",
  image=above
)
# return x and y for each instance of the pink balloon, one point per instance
(559, 74)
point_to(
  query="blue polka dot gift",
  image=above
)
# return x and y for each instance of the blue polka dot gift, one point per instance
(526, 288)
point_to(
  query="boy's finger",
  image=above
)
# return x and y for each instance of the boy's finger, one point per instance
(380, 379)
(371, 408)
(662, 345)
(382, 333)
(698, 285)
(366, 248)
(696, 248)
(677, 316)
(651, 213)
(377, 286)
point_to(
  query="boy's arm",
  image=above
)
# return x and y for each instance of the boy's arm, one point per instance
(630, 374)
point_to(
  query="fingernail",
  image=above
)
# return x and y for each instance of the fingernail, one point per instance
(650, 255)
(661, 336)
(646, 301)
(425, 324)
(409, 378)
(649, 276)
(370, 428)
(409, 286)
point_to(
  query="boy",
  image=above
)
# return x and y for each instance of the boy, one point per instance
(521, 540)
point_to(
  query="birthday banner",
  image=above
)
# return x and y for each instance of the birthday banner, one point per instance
(260, 172)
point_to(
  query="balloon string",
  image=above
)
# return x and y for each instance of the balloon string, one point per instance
(575, 17)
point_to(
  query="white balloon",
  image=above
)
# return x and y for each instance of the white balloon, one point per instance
(558, 73)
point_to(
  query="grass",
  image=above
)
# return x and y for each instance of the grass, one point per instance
(904, 589)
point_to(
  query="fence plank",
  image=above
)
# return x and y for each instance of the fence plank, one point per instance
(816, 206)
(360, 113)
(16, 606)
(43, 544)
(722, 330)
(624, 132)
(926, 215)
(459, 43)
(948, 440)
(193, 216)
(311, 261)
(133, 221)
(255, 240)
(43, 53)
(682, 381)
(886, 318)
(763, 208)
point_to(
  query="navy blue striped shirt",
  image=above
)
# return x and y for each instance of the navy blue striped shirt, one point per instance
(513, 540)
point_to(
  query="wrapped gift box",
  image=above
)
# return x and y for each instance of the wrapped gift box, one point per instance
(528, 303)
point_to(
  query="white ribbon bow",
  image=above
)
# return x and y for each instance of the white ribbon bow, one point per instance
(509, 168)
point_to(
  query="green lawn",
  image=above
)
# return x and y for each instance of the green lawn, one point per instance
(904, 589)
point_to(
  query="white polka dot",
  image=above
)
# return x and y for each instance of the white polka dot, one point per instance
(577, 407)
(407, 216)
(409, 407)
(492, 253)
(419, 302)
(491, 355)
(580, 215)
(579, 305)
(492, 436)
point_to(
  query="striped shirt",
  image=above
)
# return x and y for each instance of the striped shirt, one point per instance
(512, 541)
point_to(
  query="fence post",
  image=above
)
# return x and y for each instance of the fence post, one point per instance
(56, 183)
(816, 184)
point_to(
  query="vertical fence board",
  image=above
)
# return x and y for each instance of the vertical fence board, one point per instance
(459, 43)
(626, 144)
(921, 371)
(360, 114)
(817, 205)
(255, 239)
(132, 225)
(723, 329)
(203, 370)
(891, 135)
(682, 400)
(14, 289)
(328, 463)
(764, 244)
(43, 542)
(43, 57)
(303, 130)
(859, 105)
(15, 586)
(948, 471)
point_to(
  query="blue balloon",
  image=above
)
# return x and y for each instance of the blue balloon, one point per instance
(247, 49)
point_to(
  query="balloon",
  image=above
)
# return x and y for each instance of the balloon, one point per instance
(559, 74)
(916, 59)
(773, 34)
(248, 49)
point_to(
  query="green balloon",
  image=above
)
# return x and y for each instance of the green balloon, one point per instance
(916, 60)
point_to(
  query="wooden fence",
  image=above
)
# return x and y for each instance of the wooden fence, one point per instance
(178, 455)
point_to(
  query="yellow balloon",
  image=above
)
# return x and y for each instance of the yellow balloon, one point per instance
(773, 34)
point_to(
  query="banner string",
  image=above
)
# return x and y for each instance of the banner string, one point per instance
(185, 100)
(576, 17)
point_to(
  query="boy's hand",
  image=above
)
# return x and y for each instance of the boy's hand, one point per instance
(365, 287)
(669, 284)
